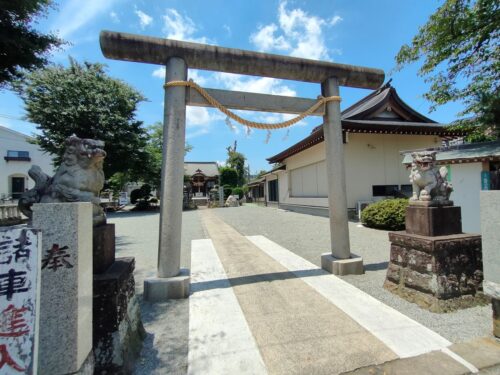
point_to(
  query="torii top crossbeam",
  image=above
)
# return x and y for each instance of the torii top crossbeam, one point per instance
(139, 48)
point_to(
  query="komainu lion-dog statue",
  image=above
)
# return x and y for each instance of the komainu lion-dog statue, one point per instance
(79, 178)
(429, 183)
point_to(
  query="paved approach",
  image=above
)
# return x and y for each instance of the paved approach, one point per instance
(258, 308)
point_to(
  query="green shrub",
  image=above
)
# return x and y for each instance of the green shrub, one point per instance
(386, 214)
(135, 195)
(228, 176)
(238, 191)
(227, 191)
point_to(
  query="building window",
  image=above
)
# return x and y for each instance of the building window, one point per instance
(384, 190)
(17, 155)
(407, 190)
(273, 190)
(495, 176)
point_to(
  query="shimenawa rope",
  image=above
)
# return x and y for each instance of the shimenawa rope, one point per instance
(259, 125)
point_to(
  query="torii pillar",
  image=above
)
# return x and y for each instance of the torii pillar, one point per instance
(171, 281)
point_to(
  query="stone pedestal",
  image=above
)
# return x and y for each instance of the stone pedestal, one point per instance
(433, 221)
(103, 245)
(161, 289)
(490, 229)
(65, 339)
(341, 267)
(118, 330)
(440, 273)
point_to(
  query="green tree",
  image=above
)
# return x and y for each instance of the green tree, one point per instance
(21, 46)
(83, 100)
(236, 160)
(463, 37)
(228, 176)
(152, 171)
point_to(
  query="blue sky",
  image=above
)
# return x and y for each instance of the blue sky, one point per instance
(367, 33)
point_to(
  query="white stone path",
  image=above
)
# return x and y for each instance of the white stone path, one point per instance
(221, 341)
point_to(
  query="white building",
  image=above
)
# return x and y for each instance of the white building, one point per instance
(375, 130)
(17, 157)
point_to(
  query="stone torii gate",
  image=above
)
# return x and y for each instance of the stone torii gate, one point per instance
(178, 56)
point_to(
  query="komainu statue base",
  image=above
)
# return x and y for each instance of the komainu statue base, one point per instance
(439, 273)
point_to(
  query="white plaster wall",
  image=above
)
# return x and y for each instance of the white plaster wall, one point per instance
(371, 159)
(11, 140)
(466, 181)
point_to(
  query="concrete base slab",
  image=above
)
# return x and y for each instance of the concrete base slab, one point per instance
(341, 267)
(434, 363)
(161, 289)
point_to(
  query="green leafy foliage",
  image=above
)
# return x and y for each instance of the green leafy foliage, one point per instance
(228, 176)
(117, 182)
(386, 214)
(236, 160)
(227, 191)
(83, 100)
(461, 43)
(237, 191)
(22, 47)
(141, 197)
(154, 146)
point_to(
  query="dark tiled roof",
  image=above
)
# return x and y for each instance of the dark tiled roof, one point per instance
(474, 152)
(382, 112)
(208, 168)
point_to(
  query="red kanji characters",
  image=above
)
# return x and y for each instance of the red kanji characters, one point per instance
(12, 323)
(7, 359)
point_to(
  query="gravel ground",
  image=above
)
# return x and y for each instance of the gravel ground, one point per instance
(309, 237)
(165, 347)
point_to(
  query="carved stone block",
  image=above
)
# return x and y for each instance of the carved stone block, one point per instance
(433, 221)
(117, 329)
(103, 247)
(440, 273)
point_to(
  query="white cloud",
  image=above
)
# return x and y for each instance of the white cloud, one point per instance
(114, 17)
(335, 20)
(199, 120)
(227, 29)
(192, 74)
(264, 85)
(265, 40)
(197, 116)
(144, 19)
(159, 72)
(179, 27)
(299, 34)
(76, 13)
(197, 77)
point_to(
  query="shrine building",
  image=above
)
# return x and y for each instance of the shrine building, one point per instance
(201, 176)
(375, 129)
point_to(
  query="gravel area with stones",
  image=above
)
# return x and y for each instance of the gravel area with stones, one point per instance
(165, 348)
